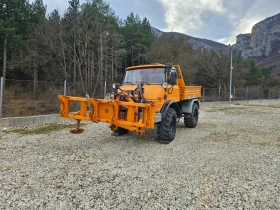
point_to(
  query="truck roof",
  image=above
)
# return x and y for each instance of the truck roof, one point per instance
(155, 65)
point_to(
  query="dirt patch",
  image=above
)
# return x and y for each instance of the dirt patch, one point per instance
(220, 137)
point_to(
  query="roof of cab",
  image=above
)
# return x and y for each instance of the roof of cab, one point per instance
(155, 65)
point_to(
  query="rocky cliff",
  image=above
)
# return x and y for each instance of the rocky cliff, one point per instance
(263, 44)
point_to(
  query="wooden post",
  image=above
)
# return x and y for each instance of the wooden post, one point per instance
(203, 94)
(219, 92)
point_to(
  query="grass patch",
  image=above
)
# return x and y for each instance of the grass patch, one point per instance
(44, 129)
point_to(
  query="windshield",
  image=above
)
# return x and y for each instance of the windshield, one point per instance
(149, 75)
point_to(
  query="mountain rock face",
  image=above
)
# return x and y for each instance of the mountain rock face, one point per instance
(197, 43)
(263, 44)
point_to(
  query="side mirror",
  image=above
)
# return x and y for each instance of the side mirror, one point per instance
(172, 78)
(168, 67)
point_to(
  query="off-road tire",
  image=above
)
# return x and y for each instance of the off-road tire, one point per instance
(120, 131)
(192, 120)
(166, 129)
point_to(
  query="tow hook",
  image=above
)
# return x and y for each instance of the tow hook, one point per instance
(140, 132)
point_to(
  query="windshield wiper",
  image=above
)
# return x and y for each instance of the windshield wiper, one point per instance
(146, 83)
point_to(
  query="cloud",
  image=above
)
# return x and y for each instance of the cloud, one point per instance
(243, 26)
(151, 9)
(218, 20)
(59, 5)
(255, 12)
(187, 16)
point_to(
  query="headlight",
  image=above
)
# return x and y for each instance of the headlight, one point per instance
(114, 85)
(164, 85)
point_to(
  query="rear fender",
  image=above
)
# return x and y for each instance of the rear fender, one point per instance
(188, 104)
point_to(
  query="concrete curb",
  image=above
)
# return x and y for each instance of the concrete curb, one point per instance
(18, 121)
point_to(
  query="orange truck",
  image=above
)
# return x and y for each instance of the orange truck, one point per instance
(151, 96)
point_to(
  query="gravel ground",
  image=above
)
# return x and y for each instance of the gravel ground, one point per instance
(231, 160)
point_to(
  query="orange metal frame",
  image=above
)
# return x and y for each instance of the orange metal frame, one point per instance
(108, 111)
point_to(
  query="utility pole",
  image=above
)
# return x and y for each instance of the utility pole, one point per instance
(230, 78)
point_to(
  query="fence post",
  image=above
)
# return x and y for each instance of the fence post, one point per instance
(105, 86)
(1, 97)
(219, 92)
(234, 92)
(268, 93)
(65, 82)
(259, 93)
(279, 93)
(247, 93)
(34, 89)
(203, 94)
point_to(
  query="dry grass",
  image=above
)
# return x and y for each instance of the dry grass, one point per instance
(48, 128)
(18, 108)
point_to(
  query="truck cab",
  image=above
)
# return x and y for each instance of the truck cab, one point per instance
(157, 82)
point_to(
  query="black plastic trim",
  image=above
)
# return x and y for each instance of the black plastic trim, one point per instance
(166, 106)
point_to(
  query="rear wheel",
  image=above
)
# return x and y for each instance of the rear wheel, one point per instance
(166, 129)
(120, 131)
(192, 120)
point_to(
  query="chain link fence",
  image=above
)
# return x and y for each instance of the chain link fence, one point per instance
(239, 93)
(27, 98)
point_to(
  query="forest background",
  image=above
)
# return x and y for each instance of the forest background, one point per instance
(88, 44)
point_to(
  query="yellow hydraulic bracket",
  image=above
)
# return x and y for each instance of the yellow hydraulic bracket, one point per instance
(109, 111)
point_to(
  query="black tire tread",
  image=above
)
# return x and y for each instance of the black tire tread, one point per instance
(163, 129)
(190, 121)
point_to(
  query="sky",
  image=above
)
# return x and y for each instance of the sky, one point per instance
(217, 20)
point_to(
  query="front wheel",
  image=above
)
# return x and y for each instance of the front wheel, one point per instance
(166, 129)
(192, 120)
